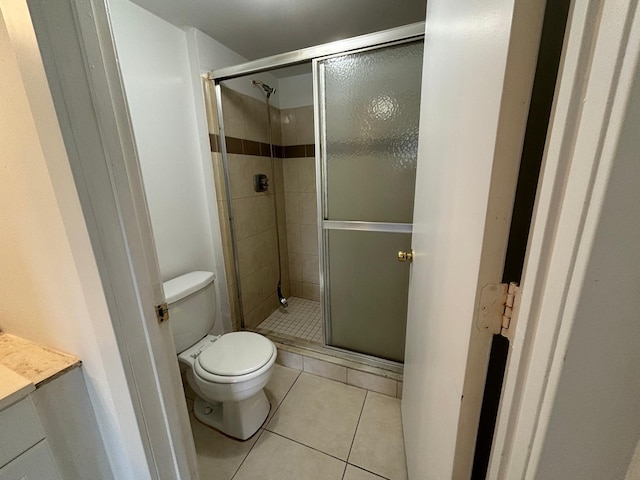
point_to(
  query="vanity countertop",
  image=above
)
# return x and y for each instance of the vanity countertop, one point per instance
(24, 365)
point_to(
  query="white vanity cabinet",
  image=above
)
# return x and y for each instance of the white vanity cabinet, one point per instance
(24, 451)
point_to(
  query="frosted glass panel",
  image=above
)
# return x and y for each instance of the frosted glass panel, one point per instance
(371, 112)
(368, 291)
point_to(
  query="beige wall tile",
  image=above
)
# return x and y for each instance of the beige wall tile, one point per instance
(311, 291)
(294, 238)
(255, 114)
(308, 212)
(325, 369)
(286, 281)
(253, 215)
(288, 359)
(257, 286)
(296, 289)
(307, 174)
(276, 122)
(278, 167)
(295, 267)
(282, 218)
(242, 169)
(290, 167)
(304, 125)
(399, 389)
(256, 251)
(256, 316)
(310, 269)
(308, 239)
(288, 126)
(375, 383)
(292, 206)
(233, 113)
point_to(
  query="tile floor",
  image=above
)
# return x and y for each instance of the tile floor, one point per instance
(301, 320)
(317, 429)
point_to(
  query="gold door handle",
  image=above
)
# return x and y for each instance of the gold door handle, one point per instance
(405, 256)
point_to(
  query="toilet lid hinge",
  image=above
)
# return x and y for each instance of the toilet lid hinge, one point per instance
(162, 312)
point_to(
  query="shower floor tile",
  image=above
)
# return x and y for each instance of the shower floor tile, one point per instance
(301, 319)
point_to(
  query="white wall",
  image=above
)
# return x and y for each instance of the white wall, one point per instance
(296, 91)
(213, 55)
(50, 289)
(154, 62)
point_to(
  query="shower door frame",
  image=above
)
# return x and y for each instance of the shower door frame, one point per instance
(395, 36)
(323, 200)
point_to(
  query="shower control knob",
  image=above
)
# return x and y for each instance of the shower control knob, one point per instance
(405, 256)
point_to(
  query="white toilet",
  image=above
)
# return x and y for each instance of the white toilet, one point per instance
(228, 372)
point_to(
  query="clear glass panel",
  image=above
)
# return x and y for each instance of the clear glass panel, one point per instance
(371, 113)
(368, 290)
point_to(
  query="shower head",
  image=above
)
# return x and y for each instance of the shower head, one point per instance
(267, 89)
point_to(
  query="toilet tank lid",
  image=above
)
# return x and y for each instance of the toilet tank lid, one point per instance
(184, 285)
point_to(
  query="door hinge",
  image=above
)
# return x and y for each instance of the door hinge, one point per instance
(162, 312)
(498, 301)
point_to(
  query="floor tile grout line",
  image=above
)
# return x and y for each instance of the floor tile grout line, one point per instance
(260, 432)
(344, 472)
(355, 432)
(283, 398)
(305, 445)
(264, 428)
(368, 471)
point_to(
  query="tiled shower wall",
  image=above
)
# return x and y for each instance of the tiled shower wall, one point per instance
(300, 201)
(245, 121)
(247, 137)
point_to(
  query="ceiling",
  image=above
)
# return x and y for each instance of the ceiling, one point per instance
(259, 28)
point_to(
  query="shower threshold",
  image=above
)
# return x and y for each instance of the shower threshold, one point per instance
(298, 330)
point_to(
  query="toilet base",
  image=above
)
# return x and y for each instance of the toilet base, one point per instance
(237, 419)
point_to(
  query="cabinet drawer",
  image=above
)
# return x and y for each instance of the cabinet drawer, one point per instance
(35, 464)
(20, 429)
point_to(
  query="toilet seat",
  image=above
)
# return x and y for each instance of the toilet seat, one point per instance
(235, 357)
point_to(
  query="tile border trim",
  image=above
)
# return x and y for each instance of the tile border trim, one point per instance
(244, 146)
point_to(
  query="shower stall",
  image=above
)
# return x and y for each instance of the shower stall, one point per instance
(316, 199)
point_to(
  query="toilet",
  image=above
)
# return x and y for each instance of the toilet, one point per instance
(229, 372)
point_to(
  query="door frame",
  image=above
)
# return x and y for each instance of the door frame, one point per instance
(592, 91)
(80, 64)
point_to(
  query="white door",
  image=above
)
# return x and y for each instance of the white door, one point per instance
(479, 61)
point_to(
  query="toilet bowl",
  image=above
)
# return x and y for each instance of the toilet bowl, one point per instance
(228, 373)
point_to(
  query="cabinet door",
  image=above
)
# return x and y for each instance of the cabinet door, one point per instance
(34, 464)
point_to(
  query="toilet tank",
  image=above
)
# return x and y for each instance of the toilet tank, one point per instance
(192, 307)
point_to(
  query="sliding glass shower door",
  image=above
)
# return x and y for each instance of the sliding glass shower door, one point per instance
(368, 109)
